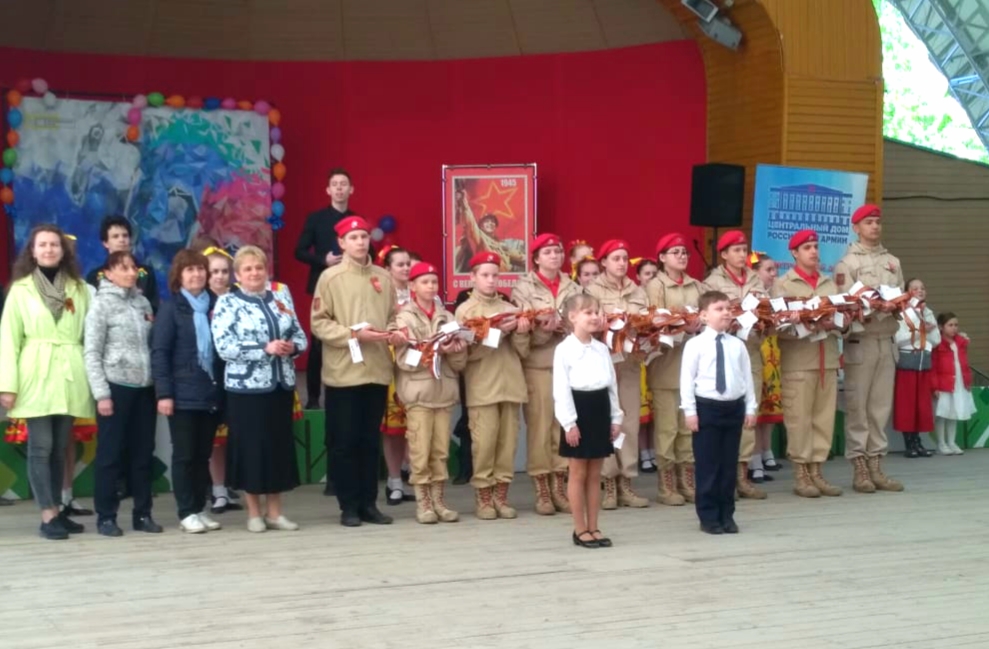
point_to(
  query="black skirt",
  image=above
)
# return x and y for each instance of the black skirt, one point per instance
(261, 444)
(594, 422)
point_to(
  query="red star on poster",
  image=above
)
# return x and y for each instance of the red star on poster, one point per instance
(496, 201)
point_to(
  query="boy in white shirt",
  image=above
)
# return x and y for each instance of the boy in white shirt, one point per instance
(717, 398)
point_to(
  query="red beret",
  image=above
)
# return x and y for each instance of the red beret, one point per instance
(544, 240)
(865, 212)
(422, 268)
(349, 224)
(670, 240)
(802, 237)
(732, 238)
(485, 258)
(610, 246)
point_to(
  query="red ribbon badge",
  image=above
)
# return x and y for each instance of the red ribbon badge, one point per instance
(70, 306)
(376, 283)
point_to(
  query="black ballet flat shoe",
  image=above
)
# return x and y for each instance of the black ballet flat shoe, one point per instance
(72, 510)
(394, 497)
(729, 526)
(712, 528)
(753, 478)
(350, 519)
(373, 516)
(771, 465)
(767, 477)
(592, 543)
(603, 541)
(70, 525)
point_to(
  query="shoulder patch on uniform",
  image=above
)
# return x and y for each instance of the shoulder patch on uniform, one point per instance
(317, 303)
(840, 279)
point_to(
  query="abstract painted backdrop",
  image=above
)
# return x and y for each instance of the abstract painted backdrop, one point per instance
(191, 173)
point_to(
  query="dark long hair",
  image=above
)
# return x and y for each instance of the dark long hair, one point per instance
(25, 263)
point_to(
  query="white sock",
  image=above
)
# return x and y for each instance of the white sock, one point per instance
(767, 455)
(67, 496)
(644, 455)
(220, 491)
(755, 464)
(394, 484)
(652, 455)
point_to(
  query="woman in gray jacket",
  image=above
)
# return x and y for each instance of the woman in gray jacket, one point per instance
(118, 365)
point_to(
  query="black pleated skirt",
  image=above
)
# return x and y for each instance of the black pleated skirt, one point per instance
(594, 422)
(261, 445)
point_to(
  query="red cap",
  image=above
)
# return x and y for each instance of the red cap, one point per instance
(544, 240)
(865, 212)
(610, 246)
(732, 238)
(422, 268)
(802, 237)
(484, 258)
(349, 224)
(670, 240)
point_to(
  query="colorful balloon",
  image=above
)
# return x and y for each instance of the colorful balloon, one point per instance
(278, 208)
(139, 101)
(277, 191)
(275, 116)
(13, 138)
(39, 86)
(6, 195)
(278, 171)
(243, 104)
(133, 133)
(14, 98)
(10, 157)
(134, 116)
(6, 176)
(49, 100)
(229, 103)
(261, 107)
(176, 101)
(277, 152)
(276, 134)
(14, 118)
(212, 103)
(387, 223)
(194, 102)
(23, 85)
(156, 99)
(377, 235)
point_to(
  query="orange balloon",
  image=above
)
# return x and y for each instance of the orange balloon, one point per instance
(6, 195)
(176, 101)
(278, 171)
(245, 105)
(133, 133)
(13, 138)
(275, 116)
(14, 98)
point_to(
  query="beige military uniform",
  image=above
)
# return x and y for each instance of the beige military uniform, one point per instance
(495, 388)
(720, 280)
(542, 432)
(428, 401)
(870, 365)
(630, 298)
(809, 378)
(673, 440)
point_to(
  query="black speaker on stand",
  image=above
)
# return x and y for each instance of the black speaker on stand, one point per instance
(717, 193)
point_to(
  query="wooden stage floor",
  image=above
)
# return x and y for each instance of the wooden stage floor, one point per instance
(905, 571)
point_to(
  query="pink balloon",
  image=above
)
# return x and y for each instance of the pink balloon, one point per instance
(134, 117)
(276, 135)
(229, 103)
(277, 191)
(261, 107)
(40, 86)
(140, 101)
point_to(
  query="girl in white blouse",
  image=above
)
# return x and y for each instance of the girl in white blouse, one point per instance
(585, 396)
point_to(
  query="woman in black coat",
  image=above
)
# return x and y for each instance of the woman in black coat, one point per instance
(188, 375)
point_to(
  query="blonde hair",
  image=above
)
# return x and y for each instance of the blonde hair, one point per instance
(576, 303)
(249, 251)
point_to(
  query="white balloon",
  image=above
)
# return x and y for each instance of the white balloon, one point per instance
(49, 99)
(377, 234)
(40, 86)
(277, 152)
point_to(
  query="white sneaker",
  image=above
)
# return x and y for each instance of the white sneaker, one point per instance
(281, 523)
(192, 524)
(209, 522)
(256, 524)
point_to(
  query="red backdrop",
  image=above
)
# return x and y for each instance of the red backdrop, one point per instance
(614, 132)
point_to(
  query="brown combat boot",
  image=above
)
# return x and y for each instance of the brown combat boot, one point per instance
(822, 484)
(610, 500)
(861, 482)
(685, 481)
(745, 488)
(627, 497)
(668, 494)
(445, 514)
(424, 505)
(484, 504)
(882, 481)
(544, 504)
(502, 508)
(803, 486)
(558, 491)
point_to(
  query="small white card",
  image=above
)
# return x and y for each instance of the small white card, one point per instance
(617, 325)
(838, 299)
(436, 366)
(813, 303)
(413, 357)
(355, 351)
(645, 346)
(914, 302)
(802, 331)
(778, 304)
(669, 341)
(747, 320)
(609, 339)
(629, 346)
(856, 287)
(617, 358)
(467, 335)
(493, 339)
(839, 319)
(796, 305)
(619, 441)
(890, 292)
(818, 336)
(359, 326)
(678, 338)
(743, 333)
(450, 327)
(750, 302)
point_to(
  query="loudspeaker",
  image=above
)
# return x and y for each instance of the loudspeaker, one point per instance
(716, 194)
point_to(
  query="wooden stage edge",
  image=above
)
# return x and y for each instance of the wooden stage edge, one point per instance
(904, 570)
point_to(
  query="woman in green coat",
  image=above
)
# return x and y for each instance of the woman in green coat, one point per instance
(42, 374)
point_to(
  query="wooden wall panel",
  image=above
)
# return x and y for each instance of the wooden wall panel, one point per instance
(386, 30)
(936, 220)
(215, 29)
(296, 30)
(473, 29)
(27, 23)
(96, 26)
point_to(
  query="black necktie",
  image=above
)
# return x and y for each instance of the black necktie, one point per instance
(719, 377)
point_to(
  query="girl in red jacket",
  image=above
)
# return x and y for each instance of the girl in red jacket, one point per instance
(952, 380)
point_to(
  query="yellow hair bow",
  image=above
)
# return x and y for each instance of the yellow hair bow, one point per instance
(213, 250)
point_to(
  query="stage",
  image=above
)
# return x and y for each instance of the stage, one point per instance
(886, 570)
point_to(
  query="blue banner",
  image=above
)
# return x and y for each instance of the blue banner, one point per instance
(788, 199)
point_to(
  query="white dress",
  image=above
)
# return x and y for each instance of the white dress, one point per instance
(958, 404)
